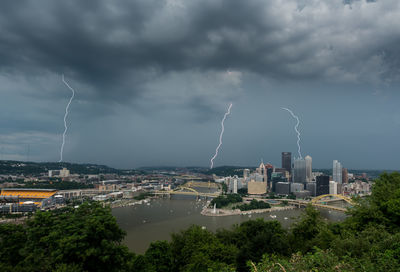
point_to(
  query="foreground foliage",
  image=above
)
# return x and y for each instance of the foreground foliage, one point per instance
(82, 239)
(88, 239)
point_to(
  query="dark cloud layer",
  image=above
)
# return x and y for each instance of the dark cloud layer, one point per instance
(127, 43)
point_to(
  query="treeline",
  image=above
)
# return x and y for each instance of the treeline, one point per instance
(253, 205)
(225, 200)
(36, 168)
(88, 239)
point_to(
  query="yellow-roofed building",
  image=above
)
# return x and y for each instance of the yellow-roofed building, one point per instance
(41, 197)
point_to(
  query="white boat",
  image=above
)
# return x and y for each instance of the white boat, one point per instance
(273, 216)
(286, 218)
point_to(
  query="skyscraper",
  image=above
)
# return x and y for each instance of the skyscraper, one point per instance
(345, 176)
(299, 170)
(246, 173)
(337, 171)
(262, 171)
(287, 161)
(308, 160)
(322, 185)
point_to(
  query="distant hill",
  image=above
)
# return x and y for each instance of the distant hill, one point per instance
(227, 170)
(36, 168)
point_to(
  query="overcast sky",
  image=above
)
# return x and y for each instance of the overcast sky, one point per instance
(153, 79)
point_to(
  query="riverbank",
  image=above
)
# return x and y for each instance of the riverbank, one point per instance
(129, 202)
(222, 212)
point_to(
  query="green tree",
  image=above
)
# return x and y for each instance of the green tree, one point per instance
(253, 239)
(87, 237)
(381, 208)
(159, 257)
(310, 231)
(196, 249)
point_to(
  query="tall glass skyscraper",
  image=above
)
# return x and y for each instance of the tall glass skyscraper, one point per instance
(308, 168)
(299, 170)
(287, 161)
(337, 171)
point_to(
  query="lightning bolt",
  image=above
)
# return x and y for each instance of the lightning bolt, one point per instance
(297, 130)
(220, 136)
(65, 118)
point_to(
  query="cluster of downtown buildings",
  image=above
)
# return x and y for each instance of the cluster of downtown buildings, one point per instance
(296, 178)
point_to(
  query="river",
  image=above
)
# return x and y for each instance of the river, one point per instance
(161, 217)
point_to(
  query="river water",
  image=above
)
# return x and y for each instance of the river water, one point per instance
(160, 218)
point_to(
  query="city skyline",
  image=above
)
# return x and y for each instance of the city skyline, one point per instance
(153, 80)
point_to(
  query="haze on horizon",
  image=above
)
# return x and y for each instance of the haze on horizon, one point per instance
(154, 78)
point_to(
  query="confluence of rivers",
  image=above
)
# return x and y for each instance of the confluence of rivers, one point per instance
(159, 218)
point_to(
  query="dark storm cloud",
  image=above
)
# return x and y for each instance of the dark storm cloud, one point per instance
(117, 47)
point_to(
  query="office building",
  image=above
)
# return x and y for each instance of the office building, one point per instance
(296, 187)
(309, 175)
(262, 171)
(270, 169)
(285, 173)
(277, 177)
(333, 185)
(256, 187)
(235, 186)
(287, 161)
(302, 194)
(322, 185)
(345, 176)
(311, 187)
(282, 188)
(337, 171)
(63, 173)
(246, 173)
(299, 170)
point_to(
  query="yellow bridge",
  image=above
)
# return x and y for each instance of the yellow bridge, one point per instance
(187, 190)
(316, 202)
(200, 184)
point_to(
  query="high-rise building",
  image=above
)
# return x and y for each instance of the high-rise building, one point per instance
(277, 177)
(287, 161)
(322, 185)
(235, 186)
(345, 176)
(262, 171)
(311, 187)
(333, 185)
(299, 171)
(309, 175)
(337, 171)
(246, 173)
(270, 169)
(296, 187)
(284, 172)
(282, 188)
(256, 187)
